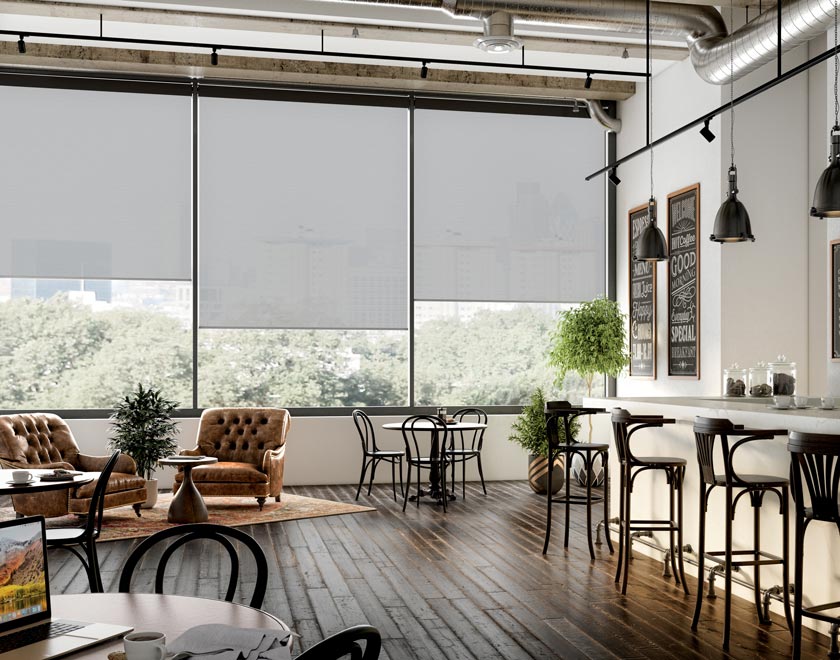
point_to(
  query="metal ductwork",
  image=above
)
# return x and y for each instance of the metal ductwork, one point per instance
(597, 112)
(701, 26)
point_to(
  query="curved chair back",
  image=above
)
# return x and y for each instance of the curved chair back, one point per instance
(365, 428)
(184, 534)
(416, 431)
(556, 413)
(346, 643)
(625, 425)
(815, 461)
(93, 523)
(472, 439)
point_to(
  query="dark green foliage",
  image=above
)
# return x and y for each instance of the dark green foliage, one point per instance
(528, 431)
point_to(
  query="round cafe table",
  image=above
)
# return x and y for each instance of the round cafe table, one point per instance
(38, 486)
(171, 615)
(188, 506)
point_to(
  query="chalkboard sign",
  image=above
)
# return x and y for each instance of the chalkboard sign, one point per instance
(684, 283)
(835, 299)
(642, 302)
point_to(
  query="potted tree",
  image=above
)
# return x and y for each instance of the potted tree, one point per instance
(528, 431)
(142, 427)
(589, 340)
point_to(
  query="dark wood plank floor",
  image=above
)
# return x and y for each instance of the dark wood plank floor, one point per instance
(468, 584)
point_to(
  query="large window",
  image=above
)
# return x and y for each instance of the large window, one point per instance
(310, 211)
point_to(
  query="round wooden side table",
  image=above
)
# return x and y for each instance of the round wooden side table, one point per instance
(188, 506)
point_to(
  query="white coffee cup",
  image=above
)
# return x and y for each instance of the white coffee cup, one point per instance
(782, 401)
(21, 476)
(145, 646)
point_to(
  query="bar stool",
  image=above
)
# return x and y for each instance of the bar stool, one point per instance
(588, 451)
(756, 486)
(624, 426)
(815, 459)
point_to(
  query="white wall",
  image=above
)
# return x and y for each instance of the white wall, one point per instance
(326, 450)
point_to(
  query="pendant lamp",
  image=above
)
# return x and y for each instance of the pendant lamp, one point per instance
(732, 222)
(827, 192)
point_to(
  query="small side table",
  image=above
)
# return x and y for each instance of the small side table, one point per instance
(187, 506)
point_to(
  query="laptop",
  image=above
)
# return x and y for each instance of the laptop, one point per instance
(27, 630)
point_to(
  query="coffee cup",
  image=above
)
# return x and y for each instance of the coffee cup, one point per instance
(782, 401)
(800, 401)
(145, 646)
(21, 476)
(827, 402)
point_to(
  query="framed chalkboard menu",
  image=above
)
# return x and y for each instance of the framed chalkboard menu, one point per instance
(684, 283)
(834, 259)
(642, 302)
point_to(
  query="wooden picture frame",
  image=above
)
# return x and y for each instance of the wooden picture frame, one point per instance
(642, 298)
(684, 283)
(834, 292)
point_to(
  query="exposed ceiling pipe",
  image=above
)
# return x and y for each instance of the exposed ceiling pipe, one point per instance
(597, 112)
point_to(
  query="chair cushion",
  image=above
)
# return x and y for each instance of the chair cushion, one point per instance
(118, 482)
(226, 471)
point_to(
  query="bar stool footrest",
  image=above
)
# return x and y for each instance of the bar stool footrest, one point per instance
(719, 557)
(577, 499)
(650, 526)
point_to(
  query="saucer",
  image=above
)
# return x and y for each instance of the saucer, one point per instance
(31, 480)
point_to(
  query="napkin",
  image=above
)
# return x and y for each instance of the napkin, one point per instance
(219, 642)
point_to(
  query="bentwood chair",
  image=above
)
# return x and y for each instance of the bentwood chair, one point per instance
(183, 534)
(624, 426)
(347, 644)
(419, 431)
(81, 541)
(466, 446)
(815, 470)
(736, 485)
(372, 454)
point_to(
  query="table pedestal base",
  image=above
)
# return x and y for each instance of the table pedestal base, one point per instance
(187, 506)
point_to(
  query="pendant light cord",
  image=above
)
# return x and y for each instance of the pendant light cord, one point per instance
(836, 65)
(732, 88)
(650, 136)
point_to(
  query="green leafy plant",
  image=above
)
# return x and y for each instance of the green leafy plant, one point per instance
(142, 427)
(528, 431)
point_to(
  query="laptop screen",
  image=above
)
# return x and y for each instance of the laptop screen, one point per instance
(24, 588)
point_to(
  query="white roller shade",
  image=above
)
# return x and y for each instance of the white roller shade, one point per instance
(502, 211)
(94, 185)
(303, 215)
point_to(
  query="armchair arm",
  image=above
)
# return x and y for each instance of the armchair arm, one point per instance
(272, 465)
(14, 465)
(125, 463)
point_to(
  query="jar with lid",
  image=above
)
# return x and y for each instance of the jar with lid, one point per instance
(761, 380)
(784, 376)
(734, 381)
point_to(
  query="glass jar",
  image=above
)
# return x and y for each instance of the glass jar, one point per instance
(784, 376)
(761, 380)
(734, 381)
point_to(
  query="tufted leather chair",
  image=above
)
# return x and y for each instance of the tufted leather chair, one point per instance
(250, 444)
(44, 441)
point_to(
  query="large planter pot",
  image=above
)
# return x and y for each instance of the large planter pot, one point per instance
(538, 474)
(151, 494)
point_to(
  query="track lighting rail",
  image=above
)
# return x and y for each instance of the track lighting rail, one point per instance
(214, 46)
(770, 84)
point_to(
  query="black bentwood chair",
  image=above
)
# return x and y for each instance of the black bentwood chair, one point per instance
(416, 432)
(346, 644)
(81, 541)
(814, 462)
(736, 485)
(588, 451)
(371, 454)
(469, 447)
(183, 534)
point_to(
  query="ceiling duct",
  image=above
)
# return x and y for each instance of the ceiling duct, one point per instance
(701, 26)
(498, 34)
(597, 112)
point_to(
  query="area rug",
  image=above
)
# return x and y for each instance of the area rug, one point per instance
(122, 523)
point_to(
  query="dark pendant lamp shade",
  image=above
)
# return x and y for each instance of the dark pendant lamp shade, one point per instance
(827, 192)
(651, 245)
(732, 222)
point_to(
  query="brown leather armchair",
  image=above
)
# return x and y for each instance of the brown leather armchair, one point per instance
(250, 444)
(44, 441)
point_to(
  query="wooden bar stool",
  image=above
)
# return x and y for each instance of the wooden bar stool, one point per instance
(815, 461)
(624, 426)
(756, 486)
(588, 451)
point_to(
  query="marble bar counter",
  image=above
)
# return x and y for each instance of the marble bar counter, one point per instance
(650, 493)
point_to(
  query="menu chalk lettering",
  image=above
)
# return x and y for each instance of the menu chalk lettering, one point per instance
(642, 302)
(684, 283)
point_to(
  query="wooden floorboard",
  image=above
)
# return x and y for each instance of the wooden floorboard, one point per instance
(468, 585)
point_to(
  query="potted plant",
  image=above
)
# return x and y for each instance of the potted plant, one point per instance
(142, 427)
(528, 431)
(589, 340)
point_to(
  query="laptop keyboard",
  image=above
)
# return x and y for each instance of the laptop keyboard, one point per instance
(36, 634)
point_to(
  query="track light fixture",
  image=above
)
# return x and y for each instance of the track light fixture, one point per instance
(21, 45)
(613, 177)
(588, 82)
(706, 132)
(827, 192)
(424, 71)
(214, 57)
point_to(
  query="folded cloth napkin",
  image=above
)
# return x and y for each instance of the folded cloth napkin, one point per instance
(219, 642)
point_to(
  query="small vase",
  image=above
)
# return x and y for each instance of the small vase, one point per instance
(538, 474)
(151, 494)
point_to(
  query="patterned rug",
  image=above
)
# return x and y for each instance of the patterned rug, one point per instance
(122, 523)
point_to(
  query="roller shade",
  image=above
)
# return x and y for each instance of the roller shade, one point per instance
(303, 215)
(502, 211)
(95, 185)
